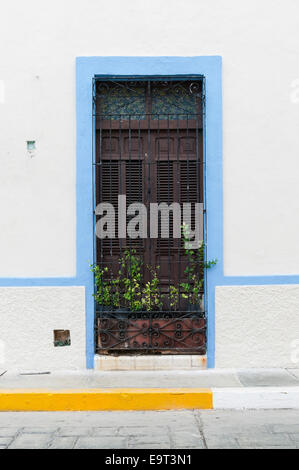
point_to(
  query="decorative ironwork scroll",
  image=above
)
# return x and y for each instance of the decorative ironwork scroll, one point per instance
(151, 332)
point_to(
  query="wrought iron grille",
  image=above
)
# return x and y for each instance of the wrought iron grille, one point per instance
(149, 292)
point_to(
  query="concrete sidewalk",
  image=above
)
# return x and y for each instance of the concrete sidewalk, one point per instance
(210, 378)
(133, 390)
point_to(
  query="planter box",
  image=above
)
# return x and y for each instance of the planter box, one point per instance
(146, 332)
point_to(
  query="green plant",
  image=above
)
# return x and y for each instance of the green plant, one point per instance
(173, 297)
(103, 288)
(152, 298)
(125, 288)
(193, 288)
(130, 279)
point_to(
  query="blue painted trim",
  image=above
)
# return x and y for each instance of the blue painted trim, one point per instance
(210, 67)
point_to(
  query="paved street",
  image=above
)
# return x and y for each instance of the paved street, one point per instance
(150, 430)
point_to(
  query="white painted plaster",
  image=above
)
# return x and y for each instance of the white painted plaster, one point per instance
(28, 316)
(257, 326)
(2, 91)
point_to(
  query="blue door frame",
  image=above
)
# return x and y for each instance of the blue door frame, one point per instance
(89, 67)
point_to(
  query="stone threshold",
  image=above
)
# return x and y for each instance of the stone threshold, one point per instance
(150, 362)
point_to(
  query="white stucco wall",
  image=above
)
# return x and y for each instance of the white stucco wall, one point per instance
(257, 326)
(28, 316)
(39, 42)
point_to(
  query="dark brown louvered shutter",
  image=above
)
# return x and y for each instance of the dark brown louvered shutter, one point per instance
(108, 188)
(189, 188)
(134, 193)
(165, 193)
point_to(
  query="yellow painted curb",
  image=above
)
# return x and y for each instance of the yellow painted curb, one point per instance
(109, 399)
